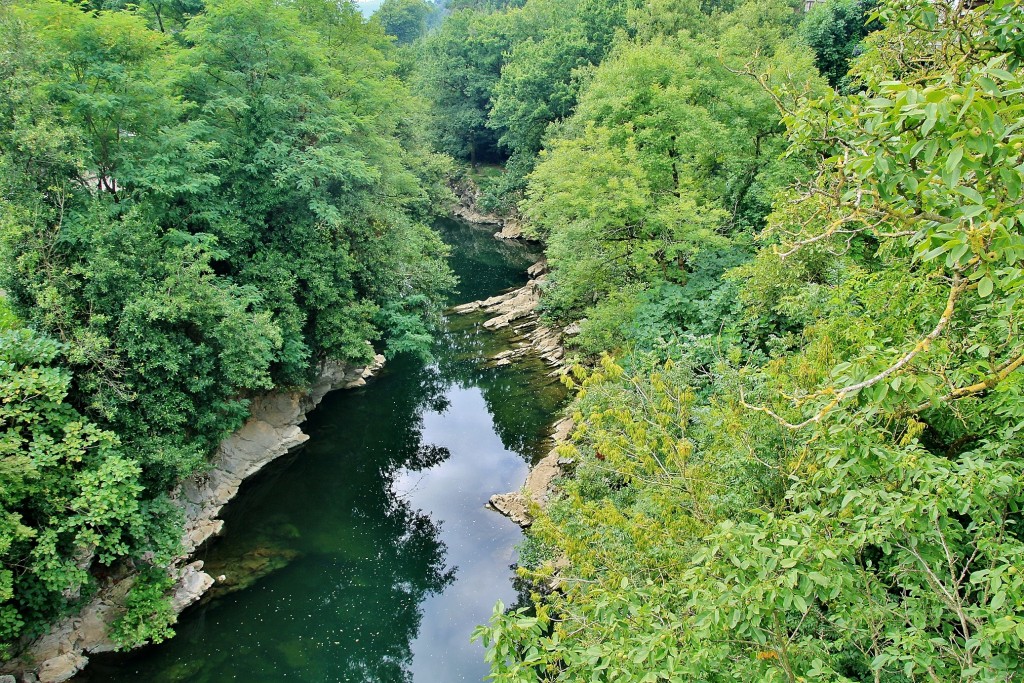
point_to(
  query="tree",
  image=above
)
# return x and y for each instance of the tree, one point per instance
(196, 218)
(842, 504)
(406, 20)
(669, 159)
(835, 30)
(68, 494)
(540, 79)
(461, 63)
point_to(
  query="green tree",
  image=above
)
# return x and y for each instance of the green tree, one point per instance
(670, 158)
(835, 31)
(197, 217)
(843, 504)
(541, 77)
(406, 20)
(68, 493)
(461, 64)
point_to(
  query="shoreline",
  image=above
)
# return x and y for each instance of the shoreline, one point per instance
(272, 430)
(517, 310)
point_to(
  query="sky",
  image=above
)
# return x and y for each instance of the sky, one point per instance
(368, 7)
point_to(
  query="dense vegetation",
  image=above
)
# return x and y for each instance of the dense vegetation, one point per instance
(792, 242)
(198, 202)
(798, 445)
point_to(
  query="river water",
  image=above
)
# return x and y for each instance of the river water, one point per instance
(367, 555)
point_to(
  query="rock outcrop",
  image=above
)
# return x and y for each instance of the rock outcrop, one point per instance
(517, 311)
(271, 431)
(516, 505)
(467, 195)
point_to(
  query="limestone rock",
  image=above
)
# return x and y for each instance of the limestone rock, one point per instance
(538, 484)
(537, 269)
(61, 668)
(511, 229)
(517, 309)
(192, 583)
(467, 196)
(513, 506)
(271, 431)
(513, 306)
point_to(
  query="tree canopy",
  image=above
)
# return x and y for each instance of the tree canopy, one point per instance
(799, 456)
(199, 203)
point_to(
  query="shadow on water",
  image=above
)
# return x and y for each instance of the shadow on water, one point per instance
(368, 555)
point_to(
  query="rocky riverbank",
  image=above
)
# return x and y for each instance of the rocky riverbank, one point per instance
(516, 504)
(272, 430)
(467, 207)
(516, 310)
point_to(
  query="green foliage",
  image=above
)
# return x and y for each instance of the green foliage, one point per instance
(540, 79)
(833, 491)
(498, 78)
(406, 20)
(461, 65)
(834, 30)
(69, 496)
(655, 175)
(202, 203)
(149, 616)
(8, 321)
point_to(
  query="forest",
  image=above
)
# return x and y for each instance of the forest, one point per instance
(789, 235)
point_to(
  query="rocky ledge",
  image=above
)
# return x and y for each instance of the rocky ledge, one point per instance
(468, 208)
(271, 431)
(516, 505)
(517, 310)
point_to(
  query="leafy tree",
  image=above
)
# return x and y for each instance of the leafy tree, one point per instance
(461, 64)
(196, 217)
(406, 20)
(844, 507)
(835, 31)
(657, 170)
(540, 79)
(68, 493)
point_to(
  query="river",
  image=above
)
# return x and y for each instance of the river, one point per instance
(367, 555)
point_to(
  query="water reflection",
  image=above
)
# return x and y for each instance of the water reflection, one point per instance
(368, 555)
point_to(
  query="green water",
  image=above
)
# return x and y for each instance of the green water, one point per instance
(368, 555)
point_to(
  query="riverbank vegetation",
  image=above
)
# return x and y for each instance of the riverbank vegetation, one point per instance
(198, 202)
(792, 242)
(790, 237)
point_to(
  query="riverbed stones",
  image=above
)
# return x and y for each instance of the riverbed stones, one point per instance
(517, 310)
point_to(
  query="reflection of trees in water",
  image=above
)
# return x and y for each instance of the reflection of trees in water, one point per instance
(520, 398)
(484, 265)
(379, 602)
(377, 596)
(349, 607)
